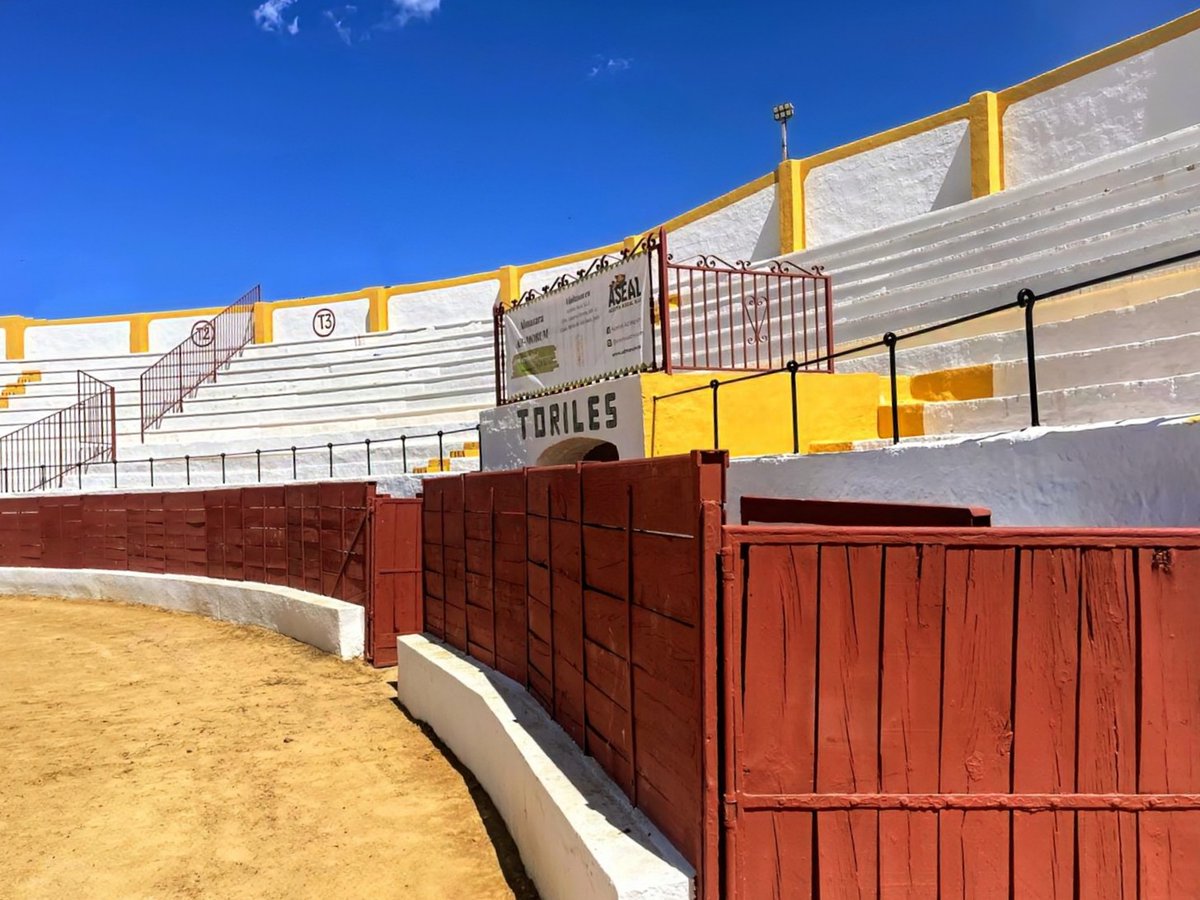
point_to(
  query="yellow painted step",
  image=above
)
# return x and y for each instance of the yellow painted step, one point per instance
(464, 453)
(912, 420)
(433, 465)
(832, 446)
(965, 383)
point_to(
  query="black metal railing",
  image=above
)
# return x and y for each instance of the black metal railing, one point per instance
(45, 452)
(38, 476)
(1026, 301)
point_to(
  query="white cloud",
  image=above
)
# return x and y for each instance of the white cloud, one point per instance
(340, 26)
(407, 10)
(609, 65)
(269, 16)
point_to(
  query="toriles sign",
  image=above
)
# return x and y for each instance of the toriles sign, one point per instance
(595, 327)
(563, 427)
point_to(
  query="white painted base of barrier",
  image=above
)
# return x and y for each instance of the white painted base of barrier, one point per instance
(578, 835)
(330, 625)
(1139, 474)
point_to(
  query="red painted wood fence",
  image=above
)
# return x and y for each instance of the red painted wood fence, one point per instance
(975, 713)
(595, 587)
(314, 537)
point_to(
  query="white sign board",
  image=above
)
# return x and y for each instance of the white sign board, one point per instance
(596, 327)
(564, 427)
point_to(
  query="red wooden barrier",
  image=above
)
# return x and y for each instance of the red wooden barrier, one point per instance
(595, 587)
(314, 537)
(952, 713)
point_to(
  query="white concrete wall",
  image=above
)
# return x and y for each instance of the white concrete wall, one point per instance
(79, 340)
(444, 306)
(1143, 97)
(544, 277)
(295, 323)
(579, 837)
(330, 625)
(888, 184)
(1132, 475)
(166, 334)
(745, 230)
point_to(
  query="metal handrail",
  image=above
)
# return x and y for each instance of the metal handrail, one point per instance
(212, 344)
(1026, 300)
(12, 475)
(69, 439)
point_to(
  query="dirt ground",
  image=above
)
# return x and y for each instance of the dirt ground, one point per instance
(152, 754)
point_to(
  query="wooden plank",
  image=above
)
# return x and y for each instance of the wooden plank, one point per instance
(976, 718)
(779, 660)
(1170, 725)
(847, 715)
(1047, 661)
(1107, 715)
(910, 725)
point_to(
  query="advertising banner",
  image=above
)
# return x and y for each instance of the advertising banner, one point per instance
(598, 326)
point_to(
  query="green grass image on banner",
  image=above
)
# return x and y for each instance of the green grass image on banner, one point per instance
(536, 361)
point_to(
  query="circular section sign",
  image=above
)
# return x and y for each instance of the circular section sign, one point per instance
(324, 322)
(203, 333)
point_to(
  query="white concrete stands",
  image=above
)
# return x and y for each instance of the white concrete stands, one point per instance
(1143, 97)
(330, 625)
(888, 184)
(578, 835)
(1134, 474)
(1126, 362)
(1134, 207)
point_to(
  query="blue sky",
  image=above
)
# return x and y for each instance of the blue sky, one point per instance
(164, 154)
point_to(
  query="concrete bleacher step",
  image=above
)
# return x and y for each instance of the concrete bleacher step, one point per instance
(1145, 309)
(1051, 269)
(1086, 179)
(1117, 196)
(1177, 394)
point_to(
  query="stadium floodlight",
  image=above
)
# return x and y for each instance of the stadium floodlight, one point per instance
(782, 113)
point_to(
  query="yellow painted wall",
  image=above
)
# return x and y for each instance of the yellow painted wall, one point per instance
(756, 415)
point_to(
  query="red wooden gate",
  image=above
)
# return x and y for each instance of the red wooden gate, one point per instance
(961, 713)
(394, 600)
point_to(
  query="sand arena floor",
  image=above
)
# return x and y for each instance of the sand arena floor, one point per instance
(152, 754)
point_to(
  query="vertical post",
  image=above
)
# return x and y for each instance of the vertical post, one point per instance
(1026, 299)
(441, 452)
(715, 385)
(152, 471)
(222, 468)
(498, 349)
(187, 468)
(479, 441)
(664, 320)
(404, 452)
(114, 474)
(258, 464)
(368, 443)
(828, 322)
(112, 421)
(293, 463)
(330, 446)
(890, 340)
(793, 367)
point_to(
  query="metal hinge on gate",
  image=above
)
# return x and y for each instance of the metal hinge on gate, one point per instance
(725, 565)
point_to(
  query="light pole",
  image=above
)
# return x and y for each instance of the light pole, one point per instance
(782, 113)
